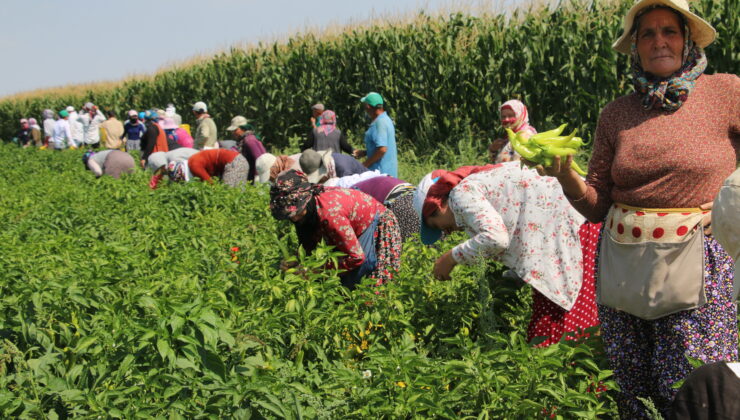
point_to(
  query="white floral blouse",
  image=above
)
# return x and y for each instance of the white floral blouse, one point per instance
(523, 219)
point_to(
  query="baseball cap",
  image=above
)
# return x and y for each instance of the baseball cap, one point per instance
(373, 99)
(236, 122)
(70, 108)
(200, 106)
(133, 113)
(428, 235)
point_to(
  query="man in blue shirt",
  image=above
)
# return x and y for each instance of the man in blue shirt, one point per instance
(380, 138)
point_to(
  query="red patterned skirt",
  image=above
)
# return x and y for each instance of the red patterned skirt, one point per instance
(550, 320)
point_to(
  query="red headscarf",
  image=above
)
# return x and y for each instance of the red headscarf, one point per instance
(440, 190)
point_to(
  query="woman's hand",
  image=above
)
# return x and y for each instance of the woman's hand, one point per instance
(706, 221)
(573, 185)
(444, 266)
(558, 169)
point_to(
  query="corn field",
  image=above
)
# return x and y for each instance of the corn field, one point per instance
(443, 77)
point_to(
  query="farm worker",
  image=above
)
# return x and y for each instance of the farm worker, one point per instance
(206, 134)
(75, 127)
(659, 158)
(229, 165)
(158, 162)
(522, 219)
(154, 139)
(247, 143)
(176, 135)
(380, 138)
(316, 111)
(515, 117)
(62, 136)
(133, 131)
(35, 132)
(320, 166)
(350, 180)
(171, 112)
(352, 221)
(709, 393)
(327, 136)
(48, 126)
(171, 133)
(112, 131)
(269, 166)
(398, 197)
(91, 120)
(111, 162)
(24, 133)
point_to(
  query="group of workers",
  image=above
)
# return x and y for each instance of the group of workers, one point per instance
(644, 246)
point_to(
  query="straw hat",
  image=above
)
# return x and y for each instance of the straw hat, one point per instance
(702, 32)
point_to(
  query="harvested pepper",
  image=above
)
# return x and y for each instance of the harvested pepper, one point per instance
(541, 148)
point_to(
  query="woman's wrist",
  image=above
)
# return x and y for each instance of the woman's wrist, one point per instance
(573, 185)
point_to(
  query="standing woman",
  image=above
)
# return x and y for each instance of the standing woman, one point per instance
(522, 219)
(356, 224)
(659, 158)
(35, 132)
(514, 116)
(327, 136)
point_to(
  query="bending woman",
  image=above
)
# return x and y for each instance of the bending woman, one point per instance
(523, 220)
(352, 221)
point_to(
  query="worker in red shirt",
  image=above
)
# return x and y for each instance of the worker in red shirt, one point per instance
(229, 165)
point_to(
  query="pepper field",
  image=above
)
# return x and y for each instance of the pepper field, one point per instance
(122, 302)
(117, 301)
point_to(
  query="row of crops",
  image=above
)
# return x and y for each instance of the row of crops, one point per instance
(444, 77)
(117, 301)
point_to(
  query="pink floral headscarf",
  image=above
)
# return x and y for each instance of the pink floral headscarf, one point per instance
(328, 122)
(521, 120)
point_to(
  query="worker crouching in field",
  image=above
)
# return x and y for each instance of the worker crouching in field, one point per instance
(109, 162)
(228, 165)
(350, 220)
(320, 166)
(269, 166)
(157, 162)
(398, 197)
(522, 219)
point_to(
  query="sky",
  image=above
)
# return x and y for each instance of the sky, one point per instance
(48, 43)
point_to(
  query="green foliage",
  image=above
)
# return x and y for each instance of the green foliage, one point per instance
(442, 76)
(122, 302)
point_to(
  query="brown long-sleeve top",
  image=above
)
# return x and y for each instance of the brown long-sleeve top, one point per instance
(655, 159)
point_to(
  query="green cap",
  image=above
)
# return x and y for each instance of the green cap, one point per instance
(63, 113)
(373, 99)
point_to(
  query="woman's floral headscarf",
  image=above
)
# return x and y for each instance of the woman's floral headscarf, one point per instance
(671, 92)
(328, 122)
(521, 117)
(291, 194)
